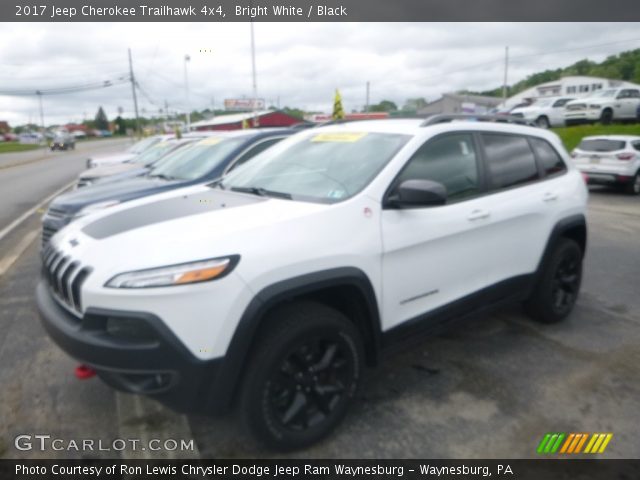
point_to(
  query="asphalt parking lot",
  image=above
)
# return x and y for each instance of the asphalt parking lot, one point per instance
(489, 388)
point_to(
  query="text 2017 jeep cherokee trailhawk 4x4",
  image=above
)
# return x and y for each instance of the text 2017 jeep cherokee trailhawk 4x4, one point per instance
(273, 288)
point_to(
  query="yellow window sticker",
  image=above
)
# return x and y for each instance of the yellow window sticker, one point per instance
(345, 137)
(211, 141)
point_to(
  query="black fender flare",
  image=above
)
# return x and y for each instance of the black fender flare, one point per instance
(564, 228)
(232, 368)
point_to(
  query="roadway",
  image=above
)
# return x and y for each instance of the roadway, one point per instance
(26, 178)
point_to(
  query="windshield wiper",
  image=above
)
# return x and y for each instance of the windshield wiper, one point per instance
(162, 176)
(261, 192)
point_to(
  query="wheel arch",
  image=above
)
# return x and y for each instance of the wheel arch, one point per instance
(573, 227)
(347, 289)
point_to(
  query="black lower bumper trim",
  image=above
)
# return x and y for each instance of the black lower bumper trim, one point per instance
(149, 360)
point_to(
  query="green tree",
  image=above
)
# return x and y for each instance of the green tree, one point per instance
(384, 106)
(101, 121)
(414, 104)
(121, 126)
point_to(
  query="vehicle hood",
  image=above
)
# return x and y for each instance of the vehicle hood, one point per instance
(123, 191)
(590, 101)
(107, 170)
(113, 158)
(530, 110)
(118, 177)
(202, 224)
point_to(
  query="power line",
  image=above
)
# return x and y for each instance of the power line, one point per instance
(63, 90)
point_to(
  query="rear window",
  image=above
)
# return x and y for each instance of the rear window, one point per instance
(601, 145)
(549, 158)
(510, 159)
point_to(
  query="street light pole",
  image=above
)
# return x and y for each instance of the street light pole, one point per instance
(187, 58)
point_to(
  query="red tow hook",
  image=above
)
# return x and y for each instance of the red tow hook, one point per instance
(84, 372)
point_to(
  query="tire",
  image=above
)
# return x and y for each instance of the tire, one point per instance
(289, 399)
(633, 187)
(543, 122)
(606, 117)
(555, 294)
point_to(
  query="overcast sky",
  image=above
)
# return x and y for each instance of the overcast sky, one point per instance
(300, 64)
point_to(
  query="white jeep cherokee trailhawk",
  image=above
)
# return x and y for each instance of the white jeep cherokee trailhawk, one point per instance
(272, 289)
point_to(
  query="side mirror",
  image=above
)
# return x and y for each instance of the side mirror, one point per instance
(418, 193)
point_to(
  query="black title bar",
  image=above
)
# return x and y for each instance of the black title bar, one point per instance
(543, 469)
(318, 10)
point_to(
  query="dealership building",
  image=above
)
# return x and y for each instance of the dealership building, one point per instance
(237, 121)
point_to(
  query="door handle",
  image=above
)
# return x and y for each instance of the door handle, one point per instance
(550, 197)
(478, 215)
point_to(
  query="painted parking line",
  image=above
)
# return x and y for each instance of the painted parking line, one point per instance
(8, 260)
(148, 421)
(13, 225)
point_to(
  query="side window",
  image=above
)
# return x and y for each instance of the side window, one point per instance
(551, 162)
(562, 102)
(253, 151)
(634, 93)
(636, 145)
(623, 94)
(510, 160)
(450, 160)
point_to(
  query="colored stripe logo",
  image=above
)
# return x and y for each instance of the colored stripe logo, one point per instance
(574, 443)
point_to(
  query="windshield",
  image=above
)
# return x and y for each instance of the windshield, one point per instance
(606, 93)
(601, 145)
(321, 167)
(542, 103)
(142, 145)
(196, 160)
(152, 154)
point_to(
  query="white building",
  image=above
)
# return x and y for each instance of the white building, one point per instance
(567, 87)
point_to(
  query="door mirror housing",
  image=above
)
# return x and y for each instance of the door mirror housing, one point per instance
(417, 193)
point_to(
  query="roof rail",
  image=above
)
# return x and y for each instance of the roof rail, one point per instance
(444, 118)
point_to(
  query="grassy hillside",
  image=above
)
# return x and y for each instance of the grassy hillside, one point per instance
(571, 136)
(623, 66)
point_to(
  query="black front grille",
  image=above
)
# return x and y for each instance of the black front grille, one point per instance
(65, 277)
(56, 212)
(47, 233)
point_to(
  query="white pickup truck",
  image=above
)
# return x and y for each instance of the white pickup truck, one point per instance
(605, 107)
(546, 112)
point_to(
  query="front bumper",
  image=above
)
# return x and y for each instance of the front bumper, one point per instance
(134, 352)
(581, 116)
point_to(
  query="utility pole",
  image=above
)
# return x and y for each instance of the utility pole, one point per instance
(133, 89)
(255, 82)
(366, 105)
(506, 71)
(39, 93)
(186, 84)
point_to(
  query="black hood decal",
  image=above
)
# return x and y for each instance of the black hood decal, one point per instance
(165, 210)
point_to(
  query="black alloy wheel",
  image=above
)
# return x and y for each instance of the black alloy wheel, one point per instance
(310, 383)
(558, 283)
(566, 284)
(302, 376)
